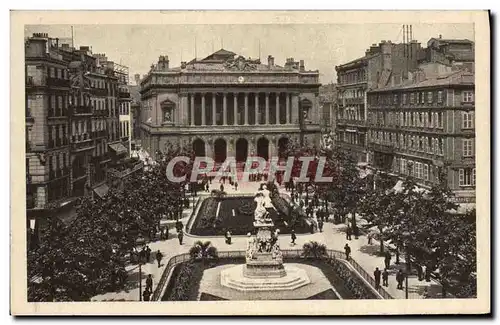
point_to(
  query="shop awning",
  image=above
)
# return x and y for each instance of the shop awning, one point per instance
(102, 190)
(118, 148)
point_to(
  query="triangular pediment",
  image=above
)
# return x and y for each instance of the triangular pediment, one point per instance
(220, 55)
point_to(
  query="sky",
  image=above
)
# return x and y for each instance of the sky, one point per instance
(321, 46)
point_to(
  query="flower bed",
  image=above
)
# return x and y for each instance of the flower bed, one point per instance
(186, 277)
(236, 214)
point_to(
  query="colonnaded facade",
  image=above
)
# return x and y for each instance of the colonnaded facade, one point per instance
(227, 105)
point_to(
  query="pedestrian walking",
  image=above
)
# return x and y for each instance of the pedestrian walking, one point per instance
(294, 237)
(427, 273)
(399, 278)
(377, 275)
(348, 233)
(370, 237)
(146, 295)
(228, 237)
(419, 272)
(320, 225)
(180, 236)
(387, 260)
(235, 186)
(159, 256)
(221, 188)
(148, 254)
(347, 250)
(385, 278)
(207, 188)
(149, 283)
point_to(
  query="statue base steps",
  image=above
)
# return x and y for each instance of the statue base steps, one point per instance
(292, 279)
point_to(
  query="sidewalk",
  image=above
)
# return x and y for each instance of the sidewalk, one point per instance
(333, 236)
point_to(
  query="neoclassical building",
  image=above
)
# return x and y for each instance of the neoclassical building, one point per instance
(228, 105)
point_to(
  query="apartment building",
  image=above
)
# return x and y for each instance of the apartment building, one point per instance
(71, 125)
(426, 124)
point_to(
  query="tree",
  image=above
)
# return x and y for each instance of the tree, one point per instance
(379, 206)
(203, 251)
(87, 258)
(315, 250)
(347, 187)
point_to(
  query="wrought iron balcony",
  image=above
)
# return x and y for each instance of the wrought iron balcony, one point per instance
(57, 82)
(386, 148)
(123, 94)
(82, 110)
(99, 91)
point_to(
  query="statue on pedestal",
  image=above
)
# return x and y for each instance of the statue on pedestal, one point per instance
(260, 213)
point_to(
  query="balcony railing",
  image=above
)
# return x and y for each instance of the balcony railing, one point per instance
(101, 112)
(99, 134)
(81, 137)
(57, 82)
(82, 110)
(386, 148)
(123, 94)
(124, 173)
(351, 122)
(99, 91)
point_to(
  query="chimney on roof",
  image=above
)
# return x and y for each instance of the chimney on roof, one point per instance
(163, 63)
(65, 45)
(302, 66)
(440, 36)
(84, 48)
(270, 61)
(183, 64)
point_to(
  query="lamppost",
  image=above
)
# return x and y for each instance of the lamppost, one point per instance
(406, 236)
(140, 242)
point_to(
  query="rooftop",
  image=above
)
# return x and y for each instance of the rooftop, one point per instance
(460, 77)
(225, 60)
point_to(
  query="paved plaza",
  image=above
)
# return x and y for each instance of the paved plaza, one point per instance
(333, 236)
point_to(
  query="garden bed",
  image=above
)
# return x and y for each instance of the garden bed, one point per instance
(186, 277)
(207, 223)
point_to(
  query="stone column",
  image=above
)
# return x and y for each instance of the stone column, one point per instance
(224, 109)
(246, 108)
(191, 98)
(287, 121)
(203, 117)
(235, 109)
(257, 116)
(295, 108)
(278, 108)
(267, 108)
(214, 120)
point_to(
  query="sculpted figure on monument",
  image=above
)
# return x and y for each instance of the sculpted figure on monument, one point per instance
(260, 212)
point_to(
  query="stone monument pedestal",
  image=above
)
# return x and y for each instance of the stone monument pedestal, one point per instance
(264, 269)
